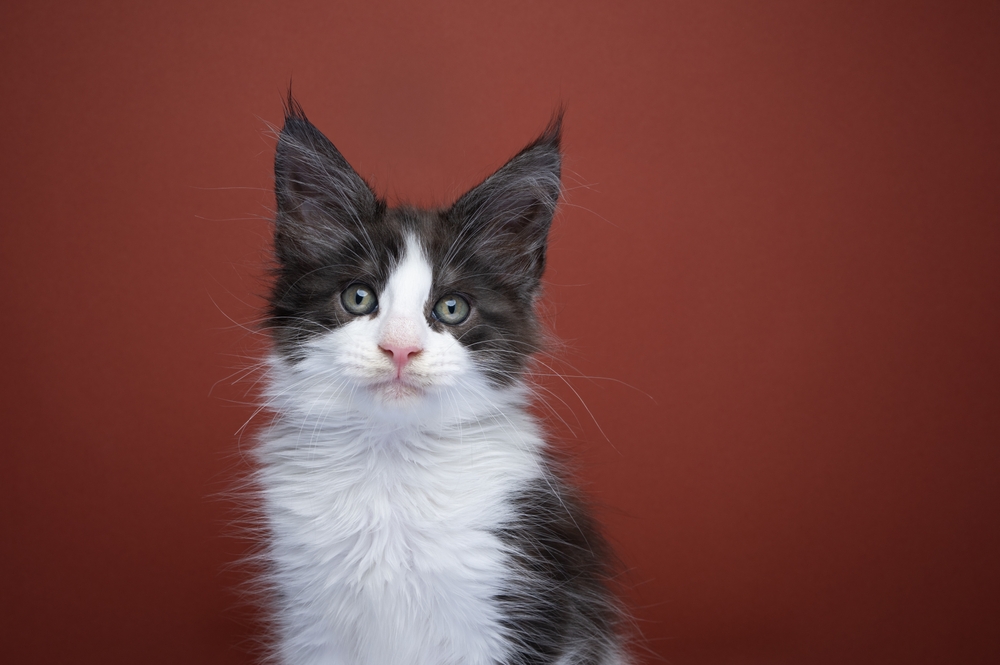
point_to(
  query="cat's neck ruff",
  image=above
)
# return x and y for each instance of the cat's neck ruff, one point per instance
(375, 518)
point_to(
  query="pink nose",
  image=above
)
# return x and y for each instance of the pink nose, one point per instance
(400, 355)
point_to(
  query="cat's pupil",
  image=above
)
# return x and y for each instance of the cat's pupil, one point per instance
(451, 306)
(359, 296)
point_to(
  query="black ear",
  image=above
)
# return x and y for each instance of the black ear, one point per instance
(506, 218)
(321, 200)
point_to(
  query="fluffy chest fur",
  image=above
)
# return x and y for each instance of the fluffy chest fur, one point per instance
(386, 543)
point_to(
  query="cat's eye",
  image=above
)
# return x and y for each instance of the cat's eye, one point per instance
(359, 299)
(452, 309)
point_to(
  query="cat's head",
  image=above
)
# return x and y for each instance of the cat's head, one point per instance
(391, 307)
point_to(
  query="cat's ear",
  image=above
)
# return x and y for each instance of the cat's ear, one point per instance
(321, 200)
(507, 217)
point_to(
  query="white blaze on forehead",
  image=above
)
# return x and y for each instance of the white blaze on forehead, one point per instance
(401, 304)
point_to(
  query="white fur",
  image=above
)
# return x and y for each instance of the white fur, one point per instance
(383, 496)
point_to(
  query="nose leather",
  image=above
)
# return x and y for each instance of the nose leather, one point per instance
(402, 338)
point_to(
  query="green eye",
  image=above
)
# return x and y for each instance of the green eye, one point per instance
(452, 309)
(359, 299)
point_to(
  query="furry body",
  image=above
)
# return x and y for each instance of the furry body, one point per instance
(414, 516)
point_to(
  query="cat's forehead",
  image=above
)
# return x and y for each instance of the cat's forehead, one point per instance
(426, 231)
(428, 227)
(377, 246)
(410, 280)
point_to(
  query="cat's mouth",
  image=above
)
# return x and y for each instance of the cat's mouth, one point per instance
(398, 389)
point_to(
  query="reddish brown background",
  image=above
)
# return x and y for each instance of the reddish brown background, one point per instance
(781, 240)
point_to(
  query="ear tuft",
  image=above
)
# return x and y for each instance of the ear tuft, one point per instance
(293, 110)
(552, 135)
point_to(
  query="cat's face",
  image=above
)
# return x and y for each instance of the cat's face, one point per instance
(392, 307)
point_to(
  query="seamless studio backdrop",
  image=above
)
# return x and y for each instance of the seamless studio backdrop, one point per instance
(776, 272)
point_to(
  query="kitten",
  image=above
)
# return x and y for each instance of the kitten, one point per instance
(414, 515)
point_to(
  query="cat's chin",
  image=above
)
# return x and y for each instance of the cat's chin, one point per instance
(397, 393)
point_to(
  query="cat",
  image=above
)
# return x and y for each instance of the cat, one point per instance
(414, 514)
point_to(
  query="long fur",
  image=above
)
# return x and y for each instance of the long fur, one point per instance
(413, 513)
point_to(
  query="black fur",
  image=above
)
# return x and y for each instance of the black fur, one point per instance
(558, 600)
(331, 230)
